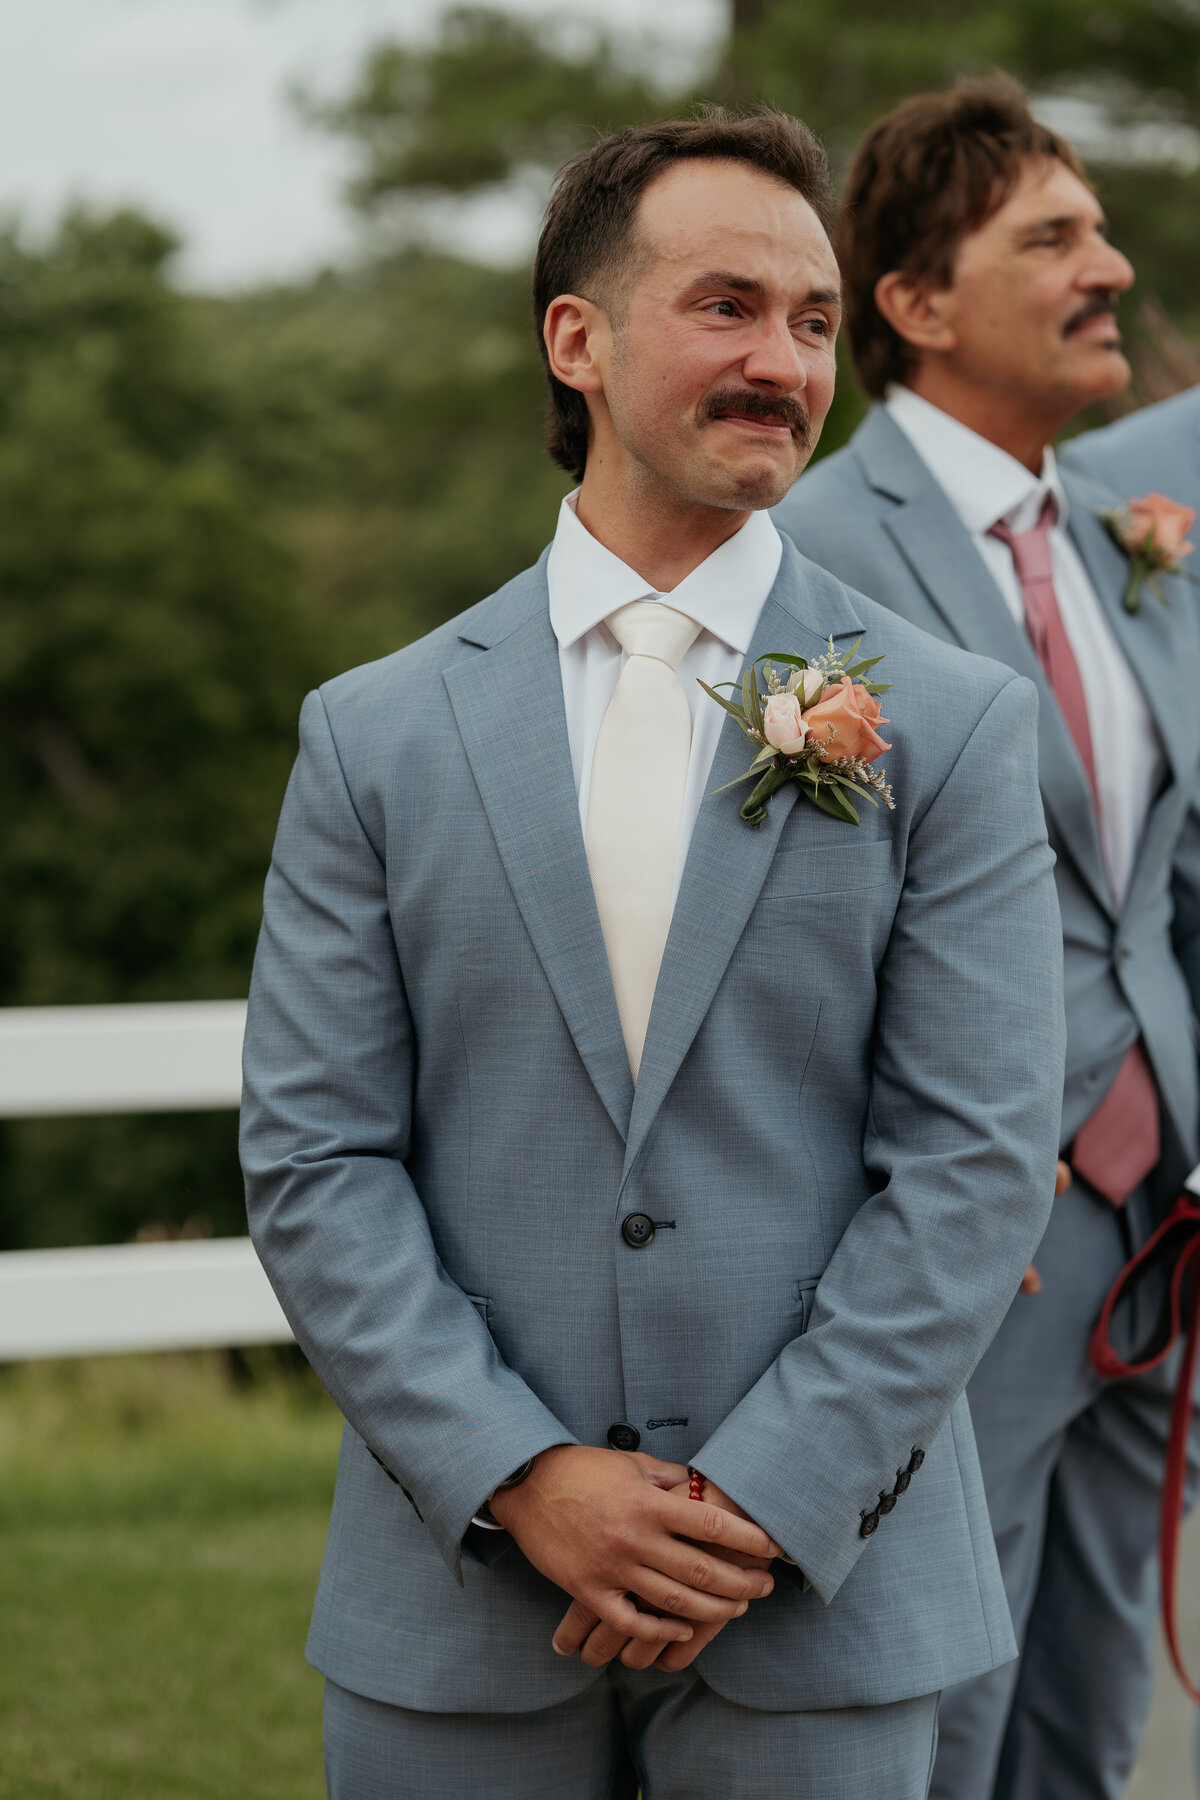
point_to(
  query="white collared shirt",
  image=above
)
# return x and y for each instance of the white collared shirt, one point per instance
(724, 594)
(985, 484)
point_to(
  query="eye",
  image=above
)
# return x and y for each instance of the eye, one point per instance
(725, 309)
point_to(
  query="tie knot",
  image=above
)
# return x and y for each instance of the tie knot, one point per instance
(1030, 549)
(647, 628)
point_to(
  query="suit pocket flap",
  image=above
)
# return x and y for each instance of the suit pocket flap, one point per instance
(827, 869)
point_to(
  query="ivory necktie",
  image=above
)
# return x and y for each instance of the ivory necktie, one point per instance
(635, 805)
(1120, 1143)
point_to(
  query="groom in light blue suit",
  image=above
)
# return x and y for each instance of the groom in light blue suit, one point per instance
(982, 316)
(573, 1168)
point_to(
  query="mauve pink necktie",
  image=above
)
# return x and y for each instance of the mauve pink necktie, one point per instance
(1120, 1144)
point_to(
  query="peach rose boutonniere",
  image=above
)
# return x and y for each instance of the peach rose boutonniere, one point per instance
(818, 728)
(1152, 532)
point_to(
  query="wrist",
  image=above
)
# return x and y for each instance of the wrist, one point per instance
(485, 1516)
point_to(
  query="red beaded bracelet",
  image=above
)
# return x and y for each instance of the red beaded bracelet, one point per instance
(695, 1484)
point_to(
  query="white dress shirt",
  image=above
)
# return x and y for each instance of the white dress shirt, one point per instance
(724, 594)
(985, 484)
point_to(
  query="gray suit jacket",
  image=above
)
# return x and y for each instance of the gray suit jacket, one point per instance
(1156, 450)
(875, 516)
(844, 1131)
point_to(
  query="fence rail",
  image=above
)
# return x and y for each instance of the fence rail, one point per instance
(177, 1056)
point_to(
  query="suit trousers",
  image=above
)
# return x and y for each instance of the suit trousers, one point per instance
(1073, 1467)
(669, 1735)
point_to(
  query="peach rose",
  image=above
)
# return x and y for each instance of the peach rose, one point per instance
(783, 725)
(853, 714)
(1159, 524)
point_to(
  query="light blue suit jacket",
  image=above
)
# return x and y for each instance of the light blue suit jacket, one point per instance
(1156, 450)
(844, 1130)
(875, 516)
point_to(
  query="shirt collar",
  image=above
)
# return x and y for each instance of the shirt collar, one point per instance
(724, 594)
(982, 482)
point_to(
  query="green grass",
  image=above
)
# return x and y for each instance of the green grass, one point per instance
(161, 1531)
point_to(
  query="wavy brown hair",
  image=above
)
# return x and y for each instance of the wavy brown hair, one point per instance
(934, 170)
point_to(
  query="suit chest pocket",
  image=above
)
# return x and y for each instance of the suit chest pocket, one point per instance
(825, 868)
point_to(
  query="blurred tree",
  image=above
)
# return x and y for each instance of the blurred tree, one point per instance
(154, 647)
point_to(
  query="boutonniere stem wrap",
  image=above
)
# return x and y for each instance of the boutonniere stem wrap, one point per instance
(1152, 532)
(817, 726)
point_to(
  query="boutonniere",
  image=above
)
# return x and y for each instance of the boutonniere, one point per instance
(817, 728)
(1152, 532)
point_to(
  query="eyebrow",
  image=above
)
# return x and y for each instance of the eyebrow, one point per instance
(1063, 220)
(746, 284)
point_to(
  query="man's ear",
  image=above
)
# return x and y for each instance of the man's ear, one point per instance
(576, 334)
(921, 315)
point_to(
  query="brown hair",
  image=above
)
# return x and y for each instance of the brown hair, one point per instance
(590, 232)
(935, 169)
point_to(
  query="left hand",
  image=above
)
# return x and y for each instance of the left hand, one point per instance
(598, 1642)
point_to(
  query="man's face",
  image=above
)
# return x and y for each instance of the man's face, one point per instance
(1033, 304)
(718, 371)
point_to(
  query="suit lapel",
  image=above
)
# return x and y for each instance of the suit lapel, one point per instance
(727, 860)
(935, 543)
(1145, 637)
(508, 705)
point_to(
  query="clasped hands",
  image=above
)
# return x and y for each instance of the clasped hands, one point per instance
(655, 1575)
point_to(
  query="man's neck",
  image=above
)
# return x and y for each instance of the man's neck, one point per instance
(1008, 421)
(663, 542)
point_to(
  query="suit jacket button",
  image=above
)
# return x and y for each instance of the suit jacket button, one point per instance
(915, 1460)
(624, 1437)
(886, 1504)
(903, 1479)
(870, 1524)
(638, 1230)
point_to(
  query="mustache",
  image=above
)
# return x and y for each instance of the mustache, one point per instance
(775, 409)
(1101, 305)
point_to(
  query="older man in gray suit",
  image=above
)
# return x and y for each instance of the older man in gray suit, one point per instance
(981, 298)
(584, 1121)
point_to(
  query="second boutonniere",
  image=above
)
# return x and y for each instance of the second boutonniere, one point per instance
(1152, 532)
(817, 727)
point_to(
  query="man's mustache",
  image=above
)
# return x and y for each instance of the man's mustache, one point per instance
(778, 409)
(1102, 305)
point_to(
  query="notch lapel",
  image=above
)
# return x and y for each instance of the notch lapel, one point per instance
(508, 705)
(937, 547)
(1149, 642)
(727, 860)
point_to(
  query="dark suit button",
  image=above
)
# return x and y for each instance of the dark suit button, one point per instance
(870, 1525)
(902, 1480)
(637, 1230)
(915, 1460)
(887, 1503)
(624, 1437)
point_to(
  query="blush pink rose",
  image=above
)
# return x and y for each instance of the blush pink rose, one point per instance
(1156, 523)
(853, 714)
(783, 724)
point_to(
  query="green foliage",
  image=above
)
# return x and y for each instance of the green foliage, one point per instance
(492, 95)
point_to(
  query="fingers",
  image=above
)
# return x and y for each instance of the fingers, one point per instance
(1031, 1281)
(573, 1628)
(607, 1641)
(664, 1475)
(681, 1656)
(684, 1602)
(698, 1572)
(1062, 1178)
(713, 1525)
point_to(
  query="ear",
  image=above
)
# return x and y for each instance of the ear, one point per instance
(577, 335)
(922, 316)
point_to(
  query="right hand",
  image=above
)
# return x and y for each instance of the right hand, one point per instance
(602, 1525)
(1031, 1281)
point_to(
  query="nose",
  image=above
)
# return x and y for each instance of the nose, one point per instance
(774, 359)
(1110, 269)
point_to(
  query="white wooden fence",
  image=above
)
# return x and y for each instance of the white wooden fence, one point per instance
(169, 1057)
